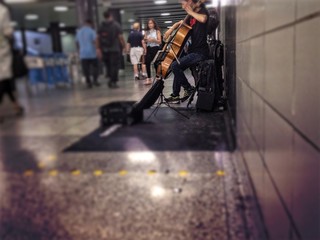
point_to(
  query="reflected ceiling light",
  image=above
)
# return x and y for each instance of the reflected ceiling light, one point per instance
(168, 21)
(157, 191)
(165, 14)
(31, 17)
(63, 33)
(61, 8)
(42, 29)
(141, 157)
(62, 25)
(18, 1)
(160, 1)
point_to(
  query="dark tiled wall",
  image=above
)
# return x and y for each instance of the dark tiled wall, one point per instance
(277, 101)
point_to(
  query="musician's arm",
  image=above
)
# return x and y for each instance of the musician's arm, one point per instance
(170, 30)
(199, 17)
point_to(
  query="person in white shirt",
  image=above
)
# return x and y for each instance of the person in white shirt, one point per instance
(153, 40)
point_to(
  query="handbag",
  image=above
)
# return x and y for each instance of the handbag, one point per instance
(128, 58)
(19, 67)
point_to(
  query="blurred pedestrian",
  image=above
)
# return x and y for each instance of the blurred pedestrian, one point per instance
(111, 43)
(7, 85)
(87, 45)
(153, 40)
(136, 47)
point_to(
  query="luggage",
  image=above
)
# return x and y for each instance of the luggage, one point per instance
(122, 112)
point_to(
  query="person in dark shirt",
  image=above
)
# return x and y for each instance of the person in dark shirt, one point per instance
(197, 50)
(137, 48)
(110, 51)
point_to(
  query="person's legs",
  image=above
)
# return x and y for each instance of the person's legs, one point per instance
(7, 87)
(148, 62)
(178, 70)
(180, 78)
(134, 61)
(114, 69)
(95, 71)
(86, 71)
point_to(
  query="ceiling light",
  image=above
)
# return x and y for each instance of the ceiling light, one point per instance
(62, 25)
(130, 20)
(18, 1)
(31, 17)
(165, 14)
(61, 8)
(42, 29)
(13, 24)
(122, 11)
(160, 1)
(168, 21)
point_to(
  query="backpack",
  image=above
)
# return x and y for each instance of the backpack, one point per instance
(212, 22)
(107, 36)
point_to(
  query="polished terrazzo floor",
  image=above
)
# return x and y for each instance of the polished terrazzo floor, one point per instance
(46, 193)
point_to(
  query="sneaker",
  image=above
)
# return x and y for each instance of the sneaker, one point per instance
(173, 99)
(136, 78)
(148, 81)
(113, 85)
(187, 93)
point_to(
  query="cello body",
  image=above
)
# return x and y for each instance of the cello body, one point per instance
(173, 50)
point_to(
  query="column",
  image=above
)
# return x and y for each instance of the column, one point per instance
(55, 36)
(87, 9)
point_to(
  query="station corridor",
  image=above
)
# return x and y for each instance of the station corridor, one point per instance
(133, 193)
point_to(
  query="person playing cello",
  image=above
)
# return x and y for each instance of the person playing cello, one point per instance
(197, 51)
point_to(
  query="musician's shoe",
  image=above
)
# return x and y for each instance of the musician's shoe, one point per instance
(173, 99)
(187, 93)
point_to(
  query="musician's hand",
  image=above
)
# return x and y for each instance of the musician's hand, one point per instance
(166, 35)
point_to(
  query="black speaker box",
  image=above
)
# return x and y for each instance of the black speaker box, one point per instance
(121, 112)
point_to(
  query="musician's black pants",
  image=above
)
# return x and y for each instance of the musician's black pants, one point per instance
(180, 79)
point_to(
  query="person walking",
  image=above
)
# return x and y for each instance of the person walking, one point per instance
(153, 40)
(87, 45)
(110, 43)
(7, 85)
(136, 47)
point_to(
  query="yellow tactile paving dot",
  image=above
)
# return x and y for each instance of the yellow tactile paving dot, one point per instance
(220, 173)
(97, 173)
(152, 172)
(123, 172)
(76, 172)
(41, 165)
(53, 173)
(28, 173)
(183, 173)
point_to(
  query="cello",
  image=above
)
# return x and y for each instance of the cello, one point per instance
(173, 47)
